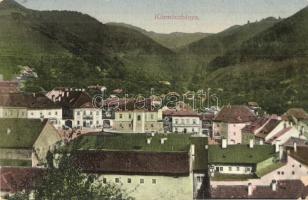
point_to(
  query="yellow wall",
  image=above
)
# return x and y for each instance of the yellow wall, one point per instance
(48, 137)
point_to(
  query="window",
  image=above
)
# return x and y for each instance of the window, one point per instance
(153, 181)
(199, 179)
(237, 168)
(129, 116)
(78, 122)
(104, 180)
(129, 180)
(234, 133)
(230, 169)
(187, 121)
(282, 173)
(278, 172)
(247, 169)
(194, 121)
(193, 130)
(49, 113)
(121, 116)
(300, 166)
(293, 172)
(176, 121)
(152, 116)
(32, 113)
(117, 180)
(182, 121)
(141, 180)
(97, 122)
(139, 118)
(221, 169)
(84, 112)
(78, 113)
(97, 112)
(91, 122)
(234, 125)
(91, 113)
(152, 125)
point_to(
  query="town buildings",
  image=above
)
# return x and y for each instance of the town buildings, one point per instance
(26, 142)
(230, 121)
(182, 122)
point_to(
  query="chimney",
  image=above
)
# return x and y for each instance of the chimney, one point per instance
(277, 147)
(192, 150)
(251, 143)
(295, 146)
(149, 140)
(152, 134)
(280, 153)
(274, 185)
(224, 143)
(162, 140)
(249, 189)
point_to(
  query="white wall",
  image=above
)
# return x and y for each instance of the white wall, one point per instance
(233, 169)
(190, 124)
(91, 117)
(166, 187)
(53, 114)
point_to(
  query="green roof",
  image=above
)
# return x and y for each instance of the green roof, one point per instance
(201, 157)
(130, 142)
(19, 133)
(240, 154)
(15, 163)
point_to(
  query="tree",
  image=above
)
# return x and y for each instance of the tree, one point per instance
(66, 182)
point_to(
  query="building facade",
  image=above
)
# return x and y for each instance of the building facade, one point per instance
(138, 121)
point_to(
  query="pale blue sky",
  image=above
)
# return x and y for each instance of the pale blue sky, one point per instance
(214, 15)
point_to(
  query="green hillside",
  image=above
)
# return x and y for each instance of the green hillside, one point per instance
(62, 52)
(173, 41)
(270, 67)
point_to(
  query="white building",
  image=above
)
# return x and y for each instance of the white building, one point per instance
(230, 121)
(183, 122)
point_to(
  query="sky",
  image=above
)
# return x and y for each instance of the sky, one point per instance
(209, 16)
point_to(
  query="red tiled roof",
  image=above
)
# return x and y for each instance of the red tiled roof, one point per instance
(298, 113)
(17, 179)
(279, 134)
(26, 100)
(8, 86)
(76, 99)
(301, 155)
(235, 114)
(270, 125)
(286, 189)
(180, 113)
(133, 162)
(255, 125)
